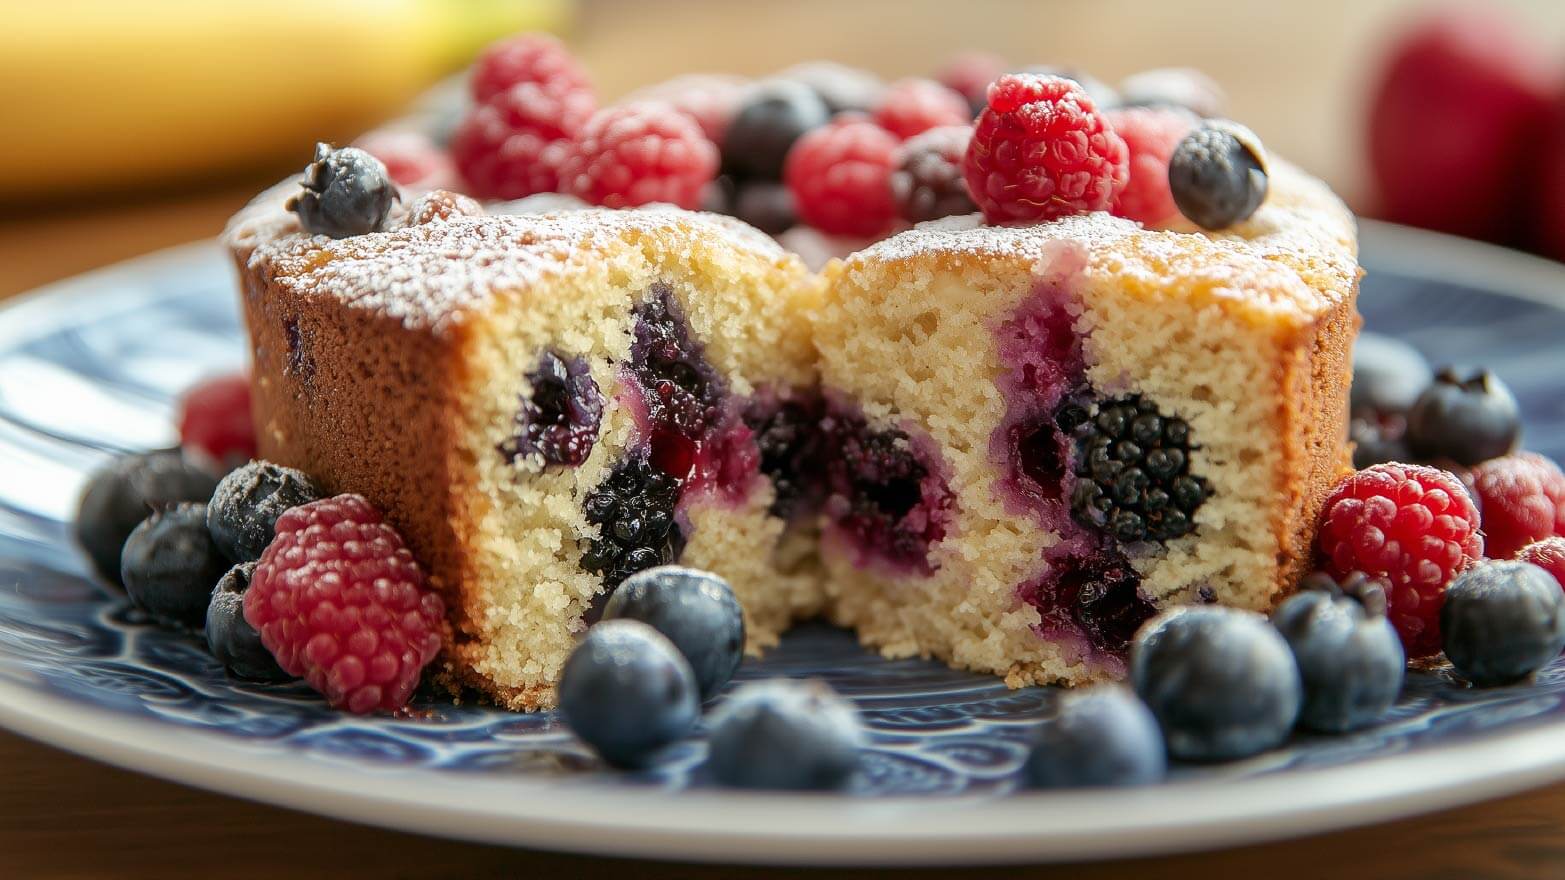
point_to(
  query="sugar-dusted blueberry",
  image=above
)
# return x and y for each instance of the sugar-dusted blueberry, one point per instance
(1221, 682)
(1349, 655)
(696, 610)
(1465, 417)
(1218, 175)
(245, 507)
(785, 734)
(231, 638)
(1502, 621)
(627, 692)
(775, 115)
(344, 192)
(119, 496)
(1104, 736)
(1388, 375)
(170, 565)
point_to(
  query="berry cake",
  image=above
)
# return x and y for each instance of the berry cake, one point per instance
(541, 405)
(1045, 433)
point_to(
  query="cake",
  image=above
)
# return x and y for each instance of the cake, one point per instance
(505, 388)
(1002, 446)
(961, 360)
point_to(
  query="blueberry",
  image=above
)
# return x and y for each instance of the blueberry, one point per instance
(765, 127)
(1502, 621)
(1388, 375)
(1099, 737)
(1468, 419)
(627, 692)
(783, 734)
(233, 641)
(1221, 682)
(1217, 175)
(170, 565)
(696, 610)
(766, 205)
(121, 494)
(245, 507)
(1378, 438)
(1173, 87)
(1349, 655)
(346, 192)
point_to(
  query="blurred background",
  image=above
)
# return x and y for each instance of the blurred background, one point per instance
(139, 125)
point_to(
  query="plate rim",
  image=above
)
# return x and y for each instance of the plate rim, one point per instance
(823, 829)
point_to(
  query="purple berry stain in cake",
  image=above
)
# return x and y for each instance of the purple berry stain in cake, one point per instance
(790, 447)
(558, 421)
(887, 496)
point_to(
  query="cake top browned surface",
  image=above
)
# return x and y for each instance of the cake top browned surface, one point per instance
(432, 275)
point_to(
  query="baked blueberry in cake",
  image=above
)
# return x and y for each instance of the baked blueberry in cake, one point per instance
(1005, 439)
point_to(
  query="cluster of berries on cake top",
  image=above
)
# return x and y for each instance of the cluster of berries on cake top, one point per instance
(828, 157)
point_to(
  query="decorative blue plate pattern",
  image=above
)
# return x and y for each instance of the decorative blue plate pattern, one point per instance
(91, 368)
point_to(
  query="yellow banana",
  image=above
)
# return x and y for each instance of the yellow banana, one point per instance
(101, 94)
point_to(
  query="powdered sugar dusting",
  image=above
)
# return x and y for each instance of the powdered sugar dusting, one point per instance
(433, 275)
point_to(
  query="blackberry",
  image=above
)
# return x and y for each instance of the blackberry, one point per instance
(1097, 595)
(1218, 175)
(1133, 469)
(929, 184)
(682, 391)
(559, 421)
(765, 127)
(788, 436)
(346, 192)
(634, 511)
(244, 510)
(879, 494)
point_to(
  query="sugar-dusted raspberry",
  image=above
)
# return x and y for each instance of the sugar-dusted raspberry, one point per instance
(1150, 134)
(637, 154)
(215, 421)
(439, 204)
(1549, 555)
(412, 158)
(339, 601)
(1523, 497)
(840, 176)
(526, 58)
(970, 73)
(928, 184)
(711, 99)
(1411, 525)
(1042, 150)
(514, 144)
(914, 106)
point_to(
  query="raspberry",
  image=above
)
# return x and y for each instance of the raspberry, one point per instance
(1523, 497)
(513, 145)
(1042, 150)
(215, 420)
(840, 176)
(527, 58)
(710, 99)
(637, 154)
(411, 158)
(1549, 555)
(969, 75)
(928, 184)
(914, 106)
(1411, 525)
(1150, 134)
(339, 601)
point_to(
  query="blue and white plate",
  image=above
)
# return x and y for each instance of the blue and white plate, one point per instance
(90, 367)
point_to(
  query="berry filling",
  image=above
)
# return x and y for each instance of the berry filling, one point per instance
(1132, 468)
(559, 420)
(789, 443)
(887, 495)
(1095, 593)
(634, 511)
(681, 390)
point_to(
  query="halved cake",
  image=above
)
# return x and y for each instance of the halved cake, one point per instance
(542, 404)
(1038, 436)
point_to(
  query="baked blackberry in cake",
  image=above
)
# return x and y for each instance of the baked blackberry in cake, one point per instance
(543, 405)
(1047, 433)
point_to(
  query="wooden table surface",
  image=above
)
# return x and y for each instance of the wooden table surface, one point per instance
(66, 817)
